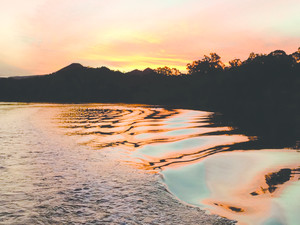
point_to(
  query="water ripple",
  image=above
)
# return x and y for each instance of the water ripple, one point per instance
(48, 178)
(157, 136)
(202, 164)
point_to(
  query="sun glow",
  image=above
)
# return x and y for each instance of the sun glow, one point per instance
(42, 36)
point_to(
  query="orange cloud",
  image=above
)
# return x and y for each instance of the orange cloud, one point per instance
(45, 35)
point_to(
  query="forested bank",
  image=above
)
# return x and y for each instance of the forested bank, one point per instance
(261, 93)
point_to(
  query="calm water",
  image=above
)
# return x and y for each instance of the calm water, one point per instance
(125, 164)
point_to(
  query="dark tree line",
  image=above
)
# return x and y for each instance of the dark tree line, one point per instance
(260, 93)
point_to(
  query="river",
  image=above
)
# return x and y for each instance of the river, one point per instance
(138, 164)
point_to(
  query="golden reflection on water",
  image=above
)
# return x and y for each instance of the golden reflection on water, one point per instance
(146, 131)
(198, 161)
(246, 185)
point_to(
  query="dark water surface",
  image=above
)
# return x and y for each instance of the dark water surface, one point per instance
(100, 164)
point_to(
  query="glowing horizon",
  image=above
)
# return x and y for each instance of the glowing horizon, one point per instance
(42, 36)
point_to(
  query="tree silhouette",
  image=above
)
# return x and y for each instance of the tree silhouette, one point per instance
(277, 53)
(235, 62)
(296, 55)
(167, 71)
(255, 58)
(206, 65)
(261, 93)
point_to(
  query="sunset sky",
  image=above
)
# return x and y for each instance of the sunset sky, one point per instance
(42, 36)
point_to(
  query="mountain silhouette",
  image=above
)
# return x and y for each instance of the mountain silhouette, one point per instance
(262, 91)
(74, 67)
(147, 71)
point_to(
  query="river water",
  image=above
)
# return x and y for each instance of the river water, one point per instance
(134, 164)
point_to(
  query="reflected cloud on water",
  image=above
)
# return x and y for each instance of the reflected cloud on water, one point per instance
(202, 163)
